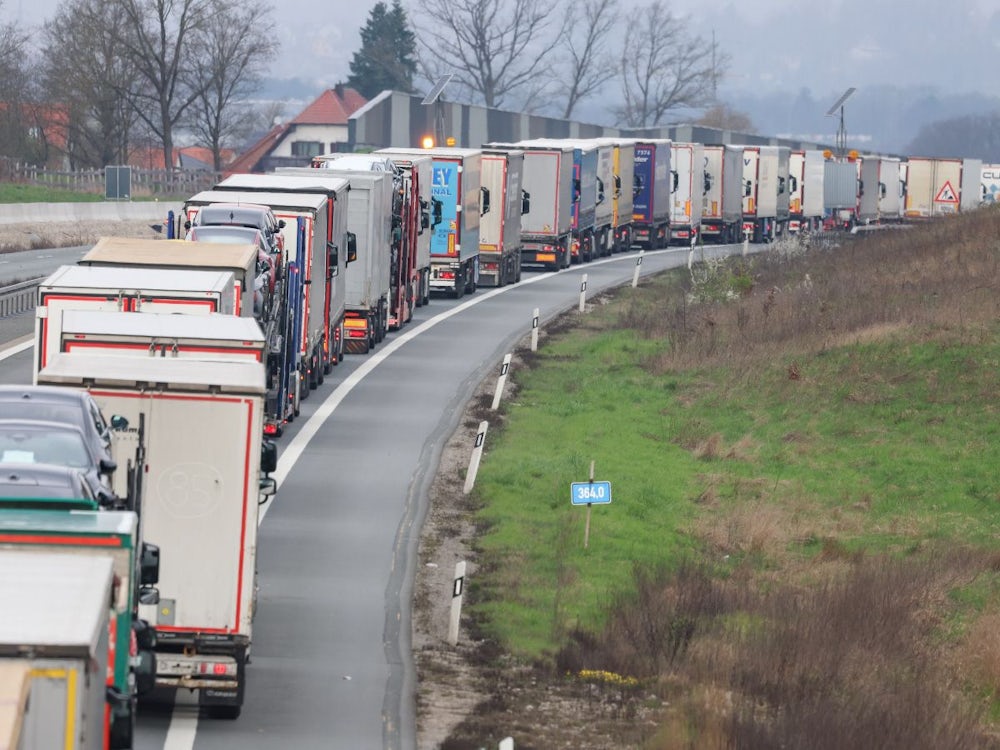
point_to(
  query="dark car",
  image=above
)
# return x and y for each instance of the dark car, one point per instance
(34, 442)
(54, 404)
(29, 485)
(243, 215)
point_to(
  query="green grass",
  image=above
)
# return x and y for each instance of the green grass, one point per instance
(875, 447)
(19, 193)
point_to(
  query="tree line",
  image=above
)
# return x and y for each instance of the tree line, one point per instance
(547, 56)
(113, 73)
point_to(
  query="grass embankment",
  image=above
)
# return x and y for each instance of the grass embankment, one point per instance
(11, 192)
(805, 457)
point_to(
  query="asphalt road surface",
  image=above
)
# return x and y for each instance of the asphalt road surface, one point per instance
(332, 666)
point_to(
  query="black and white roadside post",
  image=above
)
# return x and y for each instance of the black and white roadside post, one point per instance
(746, 241)
(534, 330)
(501, 381)
(477, 454)
(456, 602)
(635, 274)
(583, 293)
(589, 493)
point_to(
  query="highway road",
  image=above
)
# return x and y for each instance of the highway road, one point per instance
(331, 664)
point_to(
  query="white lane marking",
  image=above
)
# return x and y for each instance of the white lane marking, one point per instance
(16, 349)
(183, 728)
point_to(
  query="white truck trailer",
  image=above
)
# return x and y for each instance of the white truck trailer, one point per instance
(687, 195)
(55, 630)
(805, 190)
(765, 191)
(722, 207)
(500, 227)
(124, 290)
(456, 187)
(936, 187)
(990, 190)
(547, 229)
(203, 481)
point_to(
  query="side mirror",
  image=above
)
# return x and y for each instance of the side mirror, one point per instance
(484, 201)
(707, 184)
(149, 565)
(861, 187)
(107, 466)
(576, 191)
(281, 223)
(747, 188)
(268, 457)
(636, 185)
(332, 259)
(881, 189)
(677, 181)
(352, 247)
(425, 216)
(149, 595)
(187, 224)
(600, 191)
(108, 500)
(118, 422)
(781, 185)
(618, 186)
(437, 212)
(267, 487)
(525, 202)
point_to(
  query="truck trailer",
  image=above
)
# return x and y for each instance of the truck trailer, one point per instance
(651, 204)
(456, 186)
(34, 527)
(204, 478)
(840, 193)
(56, 629)
(937, 187)
(765, 191)
(500, 227)
(687, 164)
(805, 190)
(622, 190)
(124, 290)
(547, 229)
(722, 207)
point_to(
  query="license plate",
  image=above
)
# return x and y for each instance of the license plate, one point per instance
(545, 257)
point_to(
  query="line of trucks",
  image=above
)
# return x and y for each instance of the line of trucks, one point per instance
(194, 352)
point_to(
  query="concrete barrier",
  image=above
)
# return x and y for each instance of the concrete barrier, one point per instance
(30, 213)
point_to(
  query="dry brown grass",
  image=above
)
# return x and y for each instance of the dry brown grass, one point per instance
(944, 277)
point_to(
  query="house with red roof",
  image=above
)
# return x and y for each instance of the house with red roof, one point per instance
(320, 128)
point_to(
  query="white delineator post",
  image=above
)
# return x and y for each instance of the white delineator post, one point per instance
(534, 331)
(746, 242)
(501, 381)
(456, 602)
(506, 744)
(477, 454)
(635, 274)
(583, 293)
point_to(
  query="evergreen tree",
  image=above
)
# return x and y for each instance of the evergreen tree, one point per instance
(386, 59)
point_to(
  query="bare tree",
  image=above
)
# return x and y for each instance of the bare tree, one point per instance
(14, 81)
(588, 24)
(235, 54)
(492, 47)
(663, 67)
(158, 43)
(83, 69)
(724, 117)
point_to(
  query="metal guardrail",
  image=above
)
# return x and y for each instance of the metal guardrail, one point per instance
(19, 298)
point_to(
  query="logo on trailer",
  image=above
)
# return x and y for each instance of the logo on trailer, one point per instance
(946, 194)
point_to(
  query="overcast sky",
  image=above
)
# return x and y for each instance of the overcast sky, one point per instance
(774, 44)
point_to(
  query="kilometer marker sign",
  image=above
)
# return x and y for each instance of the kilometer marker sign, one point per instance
(590, 493)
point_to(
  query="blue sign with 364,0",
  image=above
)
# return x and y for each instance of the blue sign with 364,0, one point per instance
(590, 493)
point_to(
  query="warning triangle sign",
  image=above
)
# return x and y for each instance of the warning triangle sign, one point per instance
(946, 194)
